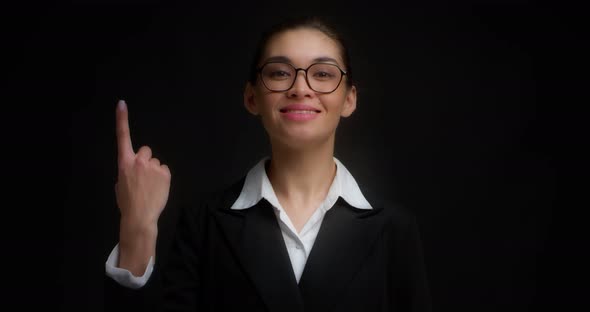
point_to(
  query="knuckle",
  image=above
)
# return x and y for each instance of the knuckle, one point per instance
(122, 129)
(146, 149)
(166, 171)
(141, 162)
(125, 162)
(123, 168)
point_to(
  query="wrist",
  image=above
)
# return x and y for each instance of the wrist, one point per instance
(133, 230)
(136, 247)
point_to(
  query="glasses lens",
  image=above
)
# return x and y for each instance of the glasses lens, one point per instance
(278, 76)
(324, 77)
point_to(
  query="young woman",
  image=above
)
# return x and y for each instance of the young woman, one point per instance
(296, 233)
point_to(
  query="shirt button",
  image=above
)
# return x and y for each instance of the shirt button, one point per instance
(297, 246)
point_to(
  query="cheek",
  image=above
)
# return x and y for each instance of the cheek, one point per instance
(267, 108)
(264, 98)
(335, 103)
(267, 104)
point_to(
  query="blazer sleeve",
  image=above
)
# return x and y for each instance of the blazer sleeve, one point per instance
(411, 290)
(181, 282)
(174, 283)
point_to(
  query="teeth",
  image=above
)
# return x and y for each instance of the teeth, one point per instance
(301, 111)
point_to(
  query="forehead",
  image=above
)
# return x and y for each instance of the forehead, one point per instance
(302, 46)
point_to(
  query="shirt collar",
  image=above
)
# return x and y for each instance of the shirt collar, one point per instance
(258, 186)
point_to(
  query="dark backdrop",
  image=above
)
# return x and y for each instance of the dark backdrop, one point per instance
(461, 117)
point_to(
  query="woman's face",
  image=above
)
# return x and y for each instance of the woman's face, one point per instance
(283, 120)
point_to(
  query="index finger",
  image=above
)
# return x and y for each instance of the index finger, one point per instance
(124, 146)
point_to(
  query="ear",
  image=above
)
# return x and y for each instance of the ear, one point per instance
(349, 102)
(250, 100)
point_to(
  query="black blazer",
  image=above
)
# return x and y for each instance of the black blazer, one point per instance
(236, 260)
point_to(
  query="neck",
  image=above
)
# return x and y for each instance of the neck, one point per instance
(302, 175)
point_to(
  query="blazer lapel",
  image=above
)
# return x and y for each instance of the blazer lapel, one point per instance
(343, 242)
(256, 238)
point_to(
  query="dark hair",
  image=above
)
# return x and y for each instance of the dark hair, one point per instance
(314, 22)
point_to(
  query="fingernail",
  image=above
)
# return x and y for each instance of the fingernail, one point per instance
(121, 104)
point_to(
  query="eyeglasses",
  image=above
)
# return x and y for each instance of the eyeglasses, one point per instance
(320, 77)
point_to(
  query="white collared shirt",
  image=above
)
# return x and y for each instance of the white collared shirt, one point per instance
(258, 186)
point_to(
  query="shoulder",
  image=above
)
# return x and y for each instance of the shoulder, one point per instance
(401, 216)
(392, 208)
(194, 216)
(220, 199)
(396, 214)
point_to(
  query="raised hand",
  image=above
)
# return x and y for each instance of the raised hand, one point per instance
(142, 189)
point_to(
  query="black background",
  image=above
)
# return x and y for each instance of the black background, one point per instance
(467, 114)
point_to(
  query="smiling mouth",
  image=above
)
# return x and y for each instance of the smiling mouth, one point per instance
(300, 111)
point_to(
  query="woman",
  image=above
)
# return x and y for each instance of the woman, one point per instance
(296, 233)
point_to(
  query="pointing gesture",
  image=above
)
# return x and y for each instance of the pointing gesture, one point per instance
(125, 148)
(142, 189)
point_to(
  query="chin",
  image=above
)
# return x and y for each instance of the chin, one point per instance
(303, 140)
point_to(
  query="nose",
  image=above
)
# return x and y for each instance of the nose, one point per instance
(300, 87)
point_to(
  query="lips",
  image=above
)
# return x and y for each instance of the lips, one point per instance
(299, 113)
(300, 108)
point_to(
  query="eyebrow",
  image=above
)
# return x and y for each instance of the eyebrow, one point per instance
(281, 58)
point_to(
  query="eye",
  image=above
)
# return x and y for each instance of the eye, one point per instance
(277, 71)
(278, 74)
(323, 74)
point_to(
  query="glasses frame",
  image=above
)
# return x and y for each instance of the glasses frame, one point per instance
(342, 74)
